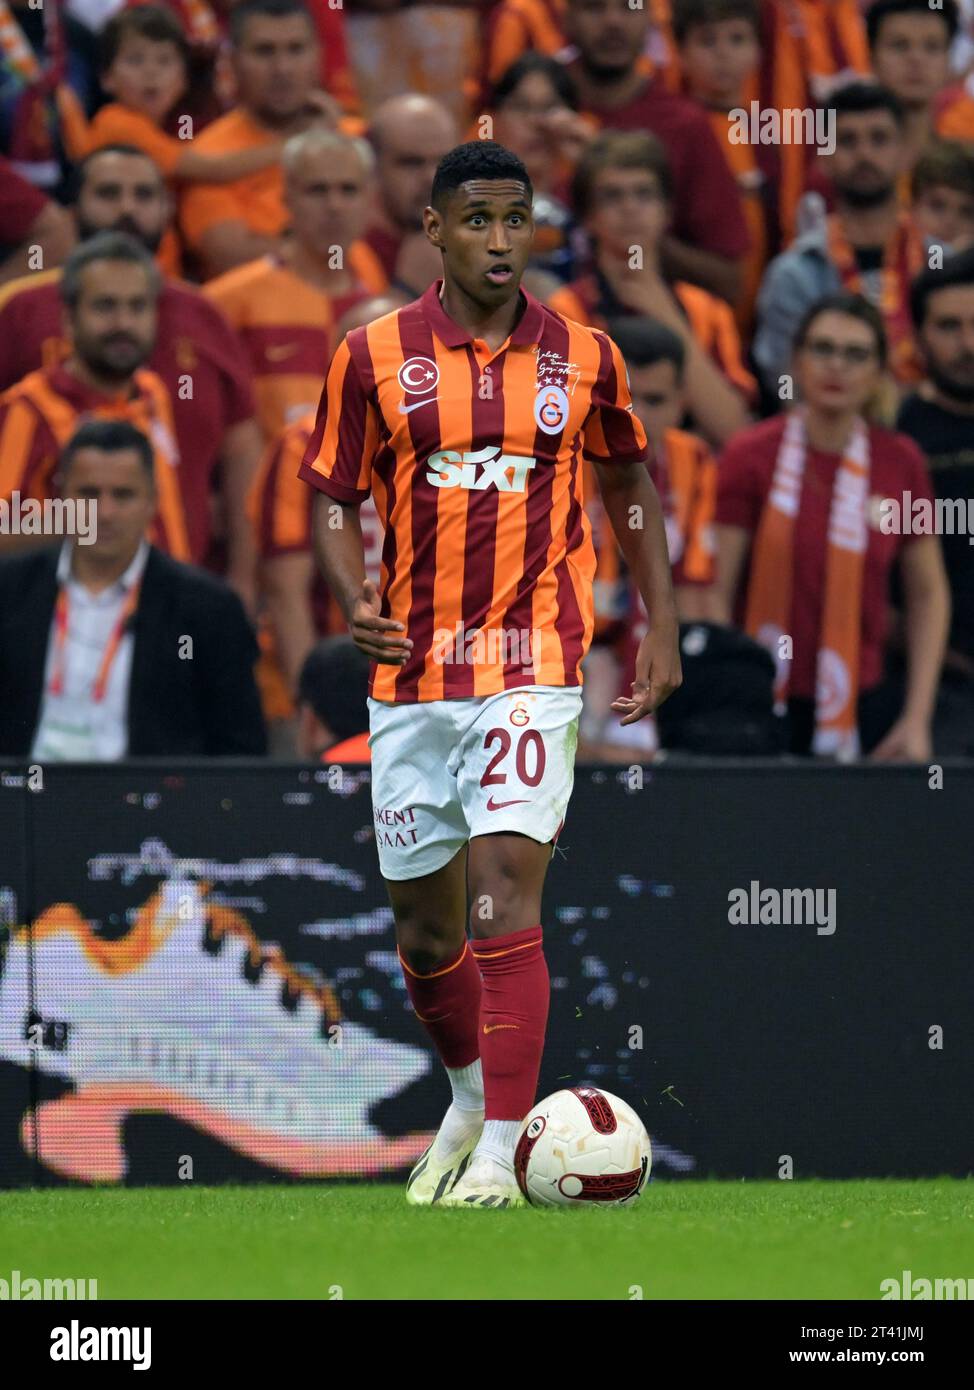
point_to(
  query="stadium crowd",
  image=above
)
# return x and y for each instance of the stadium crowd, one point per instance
(768, 204)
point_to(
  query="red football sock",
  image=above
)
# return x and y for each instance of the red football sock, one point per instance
(447, 1003)
(513, 1018)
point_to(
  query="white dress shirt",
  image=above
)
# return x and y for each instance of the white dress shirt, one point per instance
(73, 725)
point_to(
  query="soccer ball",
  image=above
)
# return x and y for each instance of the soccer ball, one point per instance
(582, 1145)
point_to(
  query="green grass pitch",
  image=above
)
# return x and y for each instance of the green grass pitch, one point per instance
(682, 1240)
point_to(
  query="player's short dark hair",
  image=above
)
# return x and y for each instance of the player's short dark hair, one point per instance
(944, 164)
(531, 64)
(152, 22)
(881, 10)
(855, 98)
(644, 341)
(79, 171)
(692, 14)
(111, 437)
(854, 306)
(334, 681)
(477, 159)
(105, 246)
(619, 149)
(957, 272)
(265, 9)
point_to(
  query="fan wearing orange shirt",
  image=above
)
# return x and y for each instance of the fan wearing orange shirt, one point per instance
(205, 23)
(622, 198)
(145, 67)
(276, 66)
(284, 305)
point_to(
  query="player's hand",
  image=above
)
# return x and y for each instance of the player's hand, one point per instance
(374, 635)
(658, 674)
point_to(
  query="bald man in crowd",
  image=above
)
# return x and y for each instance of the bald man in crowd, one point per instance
(410, 135)
(285, 304)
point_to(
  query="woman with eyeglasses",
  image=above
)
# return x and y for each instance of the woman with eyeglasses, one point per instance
(816, 508)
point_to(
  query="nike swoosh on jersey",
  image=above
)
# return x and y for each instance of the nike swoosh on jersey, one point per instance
(493, 1027)
(277, 352)
(405, 409)
(493, 805)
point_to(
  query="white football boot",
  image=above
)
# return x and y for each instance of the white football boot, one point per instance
(436, 1172)
(485, 1183)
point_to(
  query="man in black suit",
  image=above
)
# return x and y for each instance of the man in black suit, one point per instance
(109, 648)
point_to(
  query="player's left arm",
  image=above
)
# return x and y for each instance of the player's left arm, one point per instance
(633, 507)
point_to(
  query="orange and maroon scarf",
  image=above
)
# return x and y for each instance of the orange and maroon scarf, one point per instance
(770, 601)
(903, 258)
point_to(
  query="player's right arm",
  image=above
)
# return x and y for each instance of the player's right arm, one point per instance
(341, 556)
(338, 462)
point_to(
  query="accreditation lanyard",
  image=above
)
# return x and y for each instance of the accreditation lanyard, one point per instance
(56, 686)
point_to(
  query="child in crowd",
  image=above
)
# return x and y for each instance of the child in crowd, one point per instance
(145, 67)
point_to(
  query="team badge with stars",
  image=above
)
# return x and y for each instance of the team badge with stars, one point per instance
(556, 379)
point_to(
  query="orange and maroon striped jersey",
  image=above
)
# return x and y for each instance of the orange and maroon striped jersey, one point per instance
(474, 460)
(287, 327)
(40, 413)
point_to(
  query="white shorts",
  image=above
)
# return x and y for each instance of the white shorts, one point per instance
(446, 770)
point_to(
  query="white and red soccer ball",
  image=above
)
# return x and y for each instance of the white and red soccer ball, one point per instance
(582, 1145)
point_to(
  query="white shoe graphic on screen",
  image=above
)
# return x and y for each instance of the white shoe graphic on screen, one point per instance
(188, 1015)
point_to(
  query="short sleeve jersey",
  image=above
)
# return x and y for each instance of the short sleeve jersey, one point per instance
(474, 459)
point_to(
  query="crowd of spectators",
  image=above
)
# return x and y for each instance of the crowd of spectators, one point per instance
(768, 204)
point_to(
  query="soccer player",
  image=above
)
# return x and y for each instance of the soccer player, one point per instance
(467, 414)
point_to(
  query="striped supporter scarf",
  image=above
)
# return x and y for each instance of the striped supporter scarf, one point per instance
(903, 259)
(770, 601)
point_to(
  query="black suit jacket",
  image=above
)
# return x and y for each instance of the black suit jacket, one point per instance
(178, 706)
